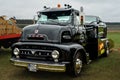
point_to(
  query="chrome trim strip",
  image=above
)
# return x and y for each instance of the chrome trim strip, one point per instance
(36, 50)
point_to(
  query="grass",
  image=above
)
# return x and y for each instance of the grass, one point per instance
(115, 37)
(100, 69)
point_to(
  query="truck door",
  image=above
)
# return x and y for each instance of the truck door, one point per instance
(80, 29)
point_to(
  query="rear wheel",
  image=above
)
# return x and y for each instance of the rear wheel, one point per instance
(107, 50)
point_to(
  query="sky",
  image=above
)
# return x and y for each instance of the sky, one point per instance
(107, 10)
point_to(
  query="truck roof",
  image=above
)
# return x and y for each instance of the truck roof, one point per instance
(58, 9)
(91, 16)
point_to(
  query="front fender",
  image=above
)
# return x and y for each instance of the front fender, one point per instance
(79, 48)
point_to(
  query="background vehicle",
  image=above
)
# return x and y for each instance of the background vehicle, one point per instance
(61, 41)
(9, 32)
(96, 31)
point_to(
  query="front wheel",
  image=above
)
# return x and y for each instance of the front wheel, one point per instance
(77, 64)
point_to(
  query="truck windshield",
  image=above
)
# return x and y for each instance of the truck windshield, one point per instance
(90, 19)
(55, 18)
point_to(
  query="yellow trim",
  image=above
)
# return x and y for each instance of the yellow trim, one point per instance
(20, 64)
(102, 51)
(101, 46)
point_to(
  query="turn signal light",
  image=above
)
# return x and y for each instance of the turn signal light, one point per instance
(81, 17)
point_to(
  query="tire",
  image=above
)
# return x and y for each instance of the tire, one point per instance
(7, 45)
(107, 50)
(77, 65)
(0, 47)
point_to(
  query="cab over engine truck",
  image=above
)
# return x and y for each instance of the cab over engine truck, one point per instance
(63, 39)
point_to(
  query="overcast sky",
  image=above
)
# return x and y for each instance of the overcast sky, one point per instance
(108, 10)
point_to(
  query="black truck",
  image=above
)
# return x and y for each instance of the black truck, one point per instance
(61, 40)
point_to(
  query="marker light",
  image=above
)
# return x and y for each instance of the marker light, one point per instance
(81, 17)
(58, 5)
(101, 46)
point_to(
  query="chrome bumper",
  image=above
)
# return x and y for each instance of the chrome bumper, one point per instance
(54, 67)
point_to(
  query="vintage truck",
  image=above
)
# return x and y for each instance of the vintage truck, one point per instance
(63, 39)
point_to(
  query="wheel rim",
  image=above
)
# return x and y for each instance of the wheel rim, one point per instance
(78, 65)
(107, 51)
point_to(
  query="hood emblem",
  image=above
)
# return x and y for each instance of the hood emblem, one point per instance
(36, 31)
(33, 52)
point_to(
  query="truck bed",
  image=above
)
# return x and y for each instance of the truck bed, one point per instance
(9, 36)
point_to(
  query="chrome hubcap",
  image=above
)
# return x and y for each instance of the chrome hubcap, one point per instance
(78, 65)
(107, 51)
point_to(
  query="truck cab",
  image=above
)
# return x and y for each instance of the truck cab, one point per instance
(60, 22)
(58, 42)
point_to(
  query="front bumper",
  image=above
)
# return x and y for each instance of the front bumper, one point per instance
(46, 66)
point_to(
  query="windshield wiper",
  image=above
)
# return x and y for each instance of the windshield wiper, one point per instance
(62, 24)
(54, 21)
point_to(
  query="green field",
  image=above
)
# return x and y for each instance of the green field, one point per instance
(101, 69)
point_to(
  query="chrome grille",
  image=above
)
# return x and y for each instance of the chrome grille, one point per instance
(40, 52)
(36, 54)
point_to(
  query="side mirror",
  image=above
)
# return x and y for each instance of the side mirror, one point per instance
(35, 18)
(39, 15)
(99, 21)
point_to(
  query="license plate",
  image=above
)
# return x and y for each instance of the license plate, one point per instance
(32, 67)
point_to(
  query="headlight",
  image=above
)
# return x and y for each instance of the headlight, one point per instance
(55, 54)
(16, 51)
